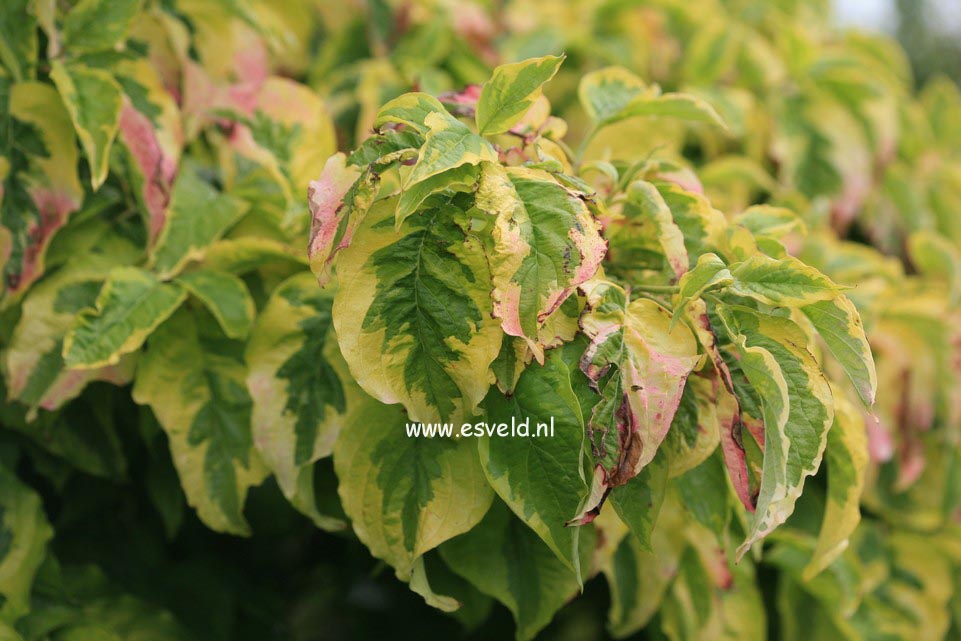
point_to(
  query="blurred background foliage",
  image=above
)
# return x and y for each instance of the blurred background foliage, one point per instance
(932, 46)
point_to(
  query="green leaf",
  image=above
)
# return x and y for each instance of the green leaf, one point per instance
(638, 502)
(847, 461)
(18, 39)
(24, 533)
(613, 94)
(767, 220)
(704, 493)
(187, 233)
(696, 430)
(710, 273)
(412, 110)
(295, 381)
(511, 91)
(83, 436)
(96, 25)
(225, 296)
(787, 281)
(461, 178)
(651, 205)
(246, 254)
(449, 143)
(406, 495)
(131, 304)
(504, 559)
(672, 105)
(839, 325)
(640, 366)
(193, 378)
(690, 610)
(545, 244)
(541, 477)
(604, 93)
(798, 409)
(8, 633)
(93, 98)
(413, 310)
(640, 574)
(78, 603)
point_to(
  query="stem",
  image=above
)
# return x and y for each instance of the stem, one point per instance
(712, 298)
(582, 148)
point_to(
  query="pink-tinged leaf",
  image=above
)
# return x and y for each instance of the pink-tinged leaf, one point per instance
(461, 102)
(156, 168)
(205, 100)
(880, 445)
(71, 383)
(547, 243)
(53, 207)
(331, 225)
(41, 191)
(911, 462)
(732, 448)
(640, 366)
(683, 177)
(728, 407)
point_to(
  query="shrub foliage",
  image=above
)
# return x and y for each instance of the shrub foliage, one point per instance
(712, 243)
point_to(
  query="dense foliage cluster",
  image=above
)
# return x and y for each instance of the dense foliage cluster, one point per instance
(714, 242)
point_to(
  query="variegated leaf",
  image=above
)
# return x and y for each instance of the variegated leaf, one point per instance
(448, 144)
(405, 496)
(546, 243)
(839, 325)
(226, 297)
(18, 39)
(97, 25)
(152, 135)
(798, 409)
(25, 533)
(519, 570)
(299, 387)
(511, 91)
(187, 233)
(847, 460)
(640, 366)
(639, 575)
(710, 273)
(696, 431)
(131, 304)
(34, 356)
(413, 310)
(39, 185)
(339, 199)
(94, 100)
(614, 94)
(194, 380)
(787, 281)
